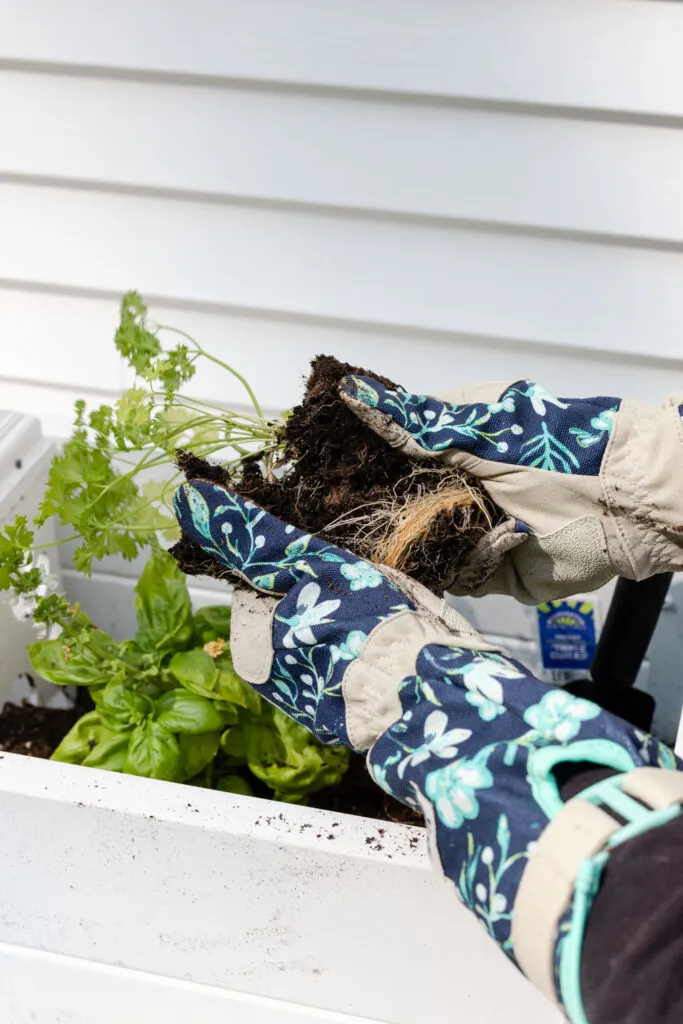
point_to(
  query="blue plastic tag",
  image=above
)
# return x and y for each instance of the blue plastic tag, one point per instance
(567, 634)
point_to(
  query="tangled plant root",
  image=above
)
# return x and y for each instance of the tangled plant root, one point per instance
(400, 531)
(410, 526)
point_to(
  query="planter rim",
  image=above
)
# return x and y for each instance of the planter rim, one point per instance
(250, 817)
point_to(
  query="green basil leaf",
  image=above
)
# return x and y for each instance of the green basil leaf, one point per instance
(196, 671)
(196, 752)
(53, 660)
(110, 754)
(120, 707)
(153, 752)
(82, 739)
(162, 605)
(183, 711)
(234, 784)
(212, 623)
(231, 715)
(234, 745)
(232, 688)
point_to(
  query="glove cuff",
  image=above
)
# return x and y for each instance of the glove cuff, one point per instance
(642, 486)
(564, 871)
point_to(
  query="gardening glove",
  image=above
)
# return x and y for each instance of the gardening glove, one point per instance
(593, 487)
(452, 726)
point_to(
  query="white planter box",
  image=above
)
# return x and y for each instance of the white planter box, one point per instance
(25, 457)
(128, 899)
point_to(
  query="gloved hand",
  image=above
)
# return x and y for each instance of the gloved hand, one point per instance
(593, 487)
(451, 726)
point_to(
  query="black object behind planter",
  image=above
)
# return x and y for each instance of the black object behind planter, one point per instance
(631, 621)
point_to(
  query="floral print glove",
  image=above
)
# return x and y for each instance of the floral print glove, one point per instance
(323, 634)
(593, 487)
(451, 725)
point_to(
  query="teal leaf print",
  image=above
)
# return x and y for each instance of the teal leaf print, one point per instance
(298, 546)
(503, 833)
(526, 426)
(266, 582)
(602, 425)
(365, 392)
(545, 451)
(199, 511)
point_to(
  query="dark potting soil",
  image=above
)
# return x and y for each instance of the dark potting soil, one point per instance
(338, 467)
(37, 732)
(358, 794)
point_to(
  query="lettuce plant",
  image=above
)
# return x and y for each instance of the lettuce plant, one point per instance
(168, 703)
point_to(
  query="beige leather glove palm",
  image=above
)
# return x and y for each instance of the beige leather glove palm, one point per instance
(593, 487)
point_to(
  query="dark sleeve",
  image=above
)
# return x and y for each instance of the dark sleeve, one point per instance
(632, 963)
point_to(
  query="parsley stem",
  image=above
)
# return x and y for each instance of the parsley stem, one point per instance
(218, 362)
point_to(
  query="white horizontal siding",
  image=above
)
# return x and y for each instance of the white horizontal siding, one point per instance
(443, 191)
(273, 352)
(347, 269)
(492, 167)
(608, 55)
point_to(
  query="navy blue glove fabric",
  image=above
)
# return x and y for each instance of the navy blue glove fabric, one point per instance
(527, 426)
(477, 743)
(478, 737)
(331, 600)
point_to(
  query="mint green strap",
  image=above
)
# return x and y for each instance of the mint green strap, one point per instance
(606, 794)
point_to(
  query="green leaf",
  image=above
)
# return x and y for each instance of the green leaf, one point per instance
(234, 745)
(153, 752)
(212, 623)
(54, 661)
(162, 605)
(234, 784)
(110, 754)
(183, 711)
(97, 692)
(133, 340)
(232, 688)
(290, 760)
(82, 739)
(120, 707)
(15, 544)
(134, 414)
(196, 752)
(196, 671)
